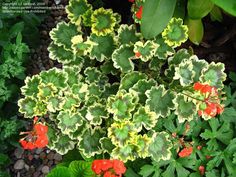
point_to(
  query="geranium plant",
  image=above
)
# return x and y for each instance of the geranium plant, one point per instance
(128, 98)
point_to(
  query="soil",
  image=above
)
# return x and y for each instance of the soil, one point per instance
(218, 45)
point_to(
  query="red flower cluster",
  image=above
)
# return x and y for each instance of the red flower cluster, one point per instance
(201, 170)
(37, 138)
(139, 13)
(109, 168)
(211, 103)
(187, 151)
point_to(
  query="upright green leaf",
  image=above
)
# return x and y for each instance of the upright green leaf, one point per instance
(229, 5)
(195, 30)
(198, 9)
(155, 17)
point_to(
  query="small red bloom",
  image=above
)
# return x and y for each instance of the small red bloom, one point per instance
(199, 147)
(131, 1)
(201, 169)
(97, 166)
(208, 157)
(119, 167)
(37, 138)
(137, 54)
(139, 13)
(198, 86)
(186, 152)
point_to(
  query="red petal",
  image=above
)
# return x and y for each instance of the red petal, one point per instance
(139, 13)
(201, 169)
(119, 167)
(40, 129)
(186, 152)
(198, 86)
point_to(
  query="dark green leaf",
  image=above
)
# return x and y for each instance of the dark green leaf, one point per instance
(155, 17)
(229, 5)
(198, 9)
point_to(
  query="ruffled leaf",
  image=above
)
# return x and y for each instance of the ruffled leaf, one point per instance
(92, 74)
(130, 79)
(26, 106)
(178, 57)
(106, 144)
(124, 153)
(103, 21)
(31, 86)
(74, 75)
(70, 102)
(121, 105)
(46, 91)
(89, 145)
(160, 146)
(175, 33)
(184, 73)
(62, 144)
(142, 143)
(81, 47)
(96, 113)
(55, 76)
(103, 48)
(69, 122)
(141, 87)
(63, 33)
(120, 132)
(160, 100)
(127, 34)
(122, 58)
(144, 118)
(76, 9)
(60, 54)
(163, 51)
(80, 90)
(145, 51)
(185, 108)
(214, 75)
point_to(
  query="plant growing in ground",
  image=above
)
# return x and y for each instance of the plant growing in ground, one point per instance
(126, 97)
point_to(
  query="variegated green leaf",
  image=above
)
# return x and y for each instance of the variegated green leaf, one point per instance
(156, 64)
(160, 100)
(103, 21)
(120, 132)
(40, 108)
(129, 79)
(108, 68)
(214, 74)
(62, 144)
(178, 57)
(31, 86)
(53, 103)
(141, 87)
(94, 90)
(145, 51)
(124, 153)
(103, 47)
(76, 9)
(60, 54)
(110, 90)
(80, 90)
(122, 104)
(122, 58)
(89, 144)
(26, 106)
(46, 91)
(160, 146)
(142, 143)
(92, 74)
(185, 109)
(198, 66)
(96, 113)
(63, 33)
(184, 73)
(175, 33)
(69, 122)
(163, 51)
(78, 134)
(144, 118)
(127, 34)
(74, 75)
(87, 18)
(70, 102)
(106, 144)
(55, 76)
(81, 47)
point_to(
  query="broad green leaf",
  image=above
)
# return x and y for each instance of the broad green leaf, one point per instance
(59, 172)
(195, 30)
(156, 15)
(127, 34)
(160, 100)
(89, 144)
(128, 80)
(147, 170)
(81, 168)
(122, 58)
(160, 146)
(164, 50)
(229, 6)
(197, 9)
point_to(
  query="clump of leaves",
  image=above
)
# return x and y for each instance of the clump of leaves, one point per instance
(127, 97)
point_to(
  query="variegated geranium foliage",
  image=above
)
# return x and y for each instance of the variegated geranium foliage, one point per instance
(118, 93)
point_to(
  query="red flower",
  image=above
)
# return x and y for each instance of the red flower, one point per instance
(37, 138)
(198, 86)
(96, 166)
(201, 169)
(119, 167)
(131, 1)
(137, 54)
(109, 174)
(186, 152)
(199, 147)
(139, 13)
